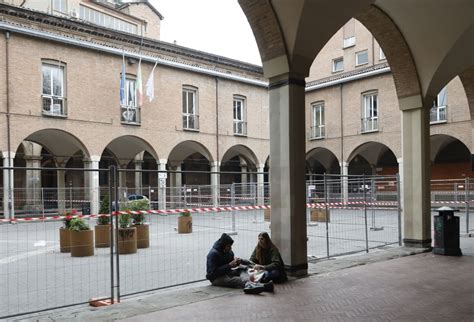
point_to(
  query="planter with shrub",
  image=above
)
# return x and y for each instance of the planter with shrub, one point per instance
(65, 233)
(102, 229)
(127, 235)
(82, 238)
(143, 229)
(185, 223)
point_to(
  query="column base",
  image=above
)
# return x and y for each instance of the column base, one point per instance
(447, 251)
(417, 243)
(299, 270)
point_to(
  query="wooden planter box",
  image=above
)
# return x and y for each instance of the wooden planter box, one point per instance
(127, 240)
(64, 240)
(185, 224)
(320, 215)
(143, 236)
(102, 236)
(267, 214)
(82, 243)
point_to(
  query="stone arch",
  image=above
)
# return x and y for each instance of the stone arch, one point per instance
(450, 157)
(372, 158)
(321, 160)
(395, 47)
(238, 158)
(467, 79)
(126, 147)
(192, 156)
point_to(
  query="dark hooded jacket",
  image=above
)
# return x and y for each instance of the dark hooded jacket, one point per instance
(217, 260)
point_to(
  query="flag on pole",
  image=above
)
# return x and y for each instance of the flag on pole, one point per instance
(122, 82)
(150, 84)
(139, 87)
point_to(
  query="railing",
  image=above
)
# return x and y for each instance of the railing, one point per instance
(317, 132)
(54, 105)
(240, 127)
(190, 122)
(369, 124)
(347, 214)
(130, 115)
(438, 114)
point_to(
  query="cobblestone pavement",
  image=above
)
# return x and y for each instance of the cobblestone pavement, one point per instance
(378, 286)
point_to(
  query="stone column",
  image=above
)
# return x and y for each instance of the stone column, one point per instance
(416, 173)
(8, 186)
(243, 177)
(122, 180)
(162, 183)
(215, 182)
(287, 161)
(176, 183)
(94, 189)
(33, 181)
(138, 176)
(260, 185)
(344, 181)
(61, 186)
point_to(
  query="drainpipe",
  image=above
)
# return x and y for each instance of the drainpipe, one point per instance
(7, 88)
(217, 119)
(342, 122)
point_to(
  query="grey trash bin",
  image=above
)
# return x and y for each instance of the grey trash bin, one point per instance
(446, 232)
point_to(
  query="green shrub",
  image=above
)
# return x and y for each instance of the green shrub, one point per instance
(78, 224)
(185, 214)
(136, 205)
(125, 220)
(104, 206)
(103, 220)
(68, 217)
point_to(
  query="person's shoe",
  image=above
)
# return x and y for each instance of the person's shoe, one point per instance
(268, 286)
(253, 288)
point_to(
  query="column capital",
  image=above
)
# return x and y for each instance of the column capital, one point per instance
(410, 103)
(162, 161)
(5, 154)
(93, 158)
(400, 160)
(343, 164)
(286, 80)
(215, 164)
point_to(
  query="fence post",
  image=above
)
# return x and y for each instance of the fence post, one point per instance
(466, 192)
(117, 198)
(111, 212)
(326, 209)
(232, 204)
(365, 215)
(399, 209)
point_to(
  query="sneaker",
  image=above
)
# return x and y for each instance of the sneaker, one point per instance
(253, 288)
(268, 286)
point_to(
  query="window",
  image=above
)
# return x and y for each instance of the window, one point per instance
(317, 121)
(369, 112)
(438, 111)
(362, 57)
(338, 64)
(190, 109)
(240, 115)
(130, 112)
(349, 42)
(60, 5)
(381, 54)
(105, 20)
(54, 100)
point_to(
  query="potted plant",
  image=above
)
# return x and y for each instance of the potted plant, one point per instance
(82, 238)
(127, 235)
(185, 223)
(102, 229)
(138, 218)
(64, 232)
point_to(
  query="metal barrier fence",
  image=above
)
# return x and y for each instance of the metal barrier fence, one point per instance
(35, 275)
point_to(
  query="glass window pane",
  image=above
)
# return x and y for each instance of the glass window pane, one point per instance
(46, 80)
(191, 103)
(57, 82)
(184, 102)
(362, 57)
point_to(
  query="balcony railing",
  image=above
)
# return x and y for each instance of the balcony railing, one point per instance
(240, 128)
(369, 124)
(317, 132)
(54, 106)
(190, 122)
(438, 114)
(130, 115)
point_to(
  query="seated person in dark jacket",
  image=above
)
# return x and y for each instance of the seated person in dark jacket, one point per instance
(267, 258)
(220, 262)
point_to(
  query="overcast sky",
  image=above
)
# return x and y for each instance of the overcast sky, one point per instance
(215, 26)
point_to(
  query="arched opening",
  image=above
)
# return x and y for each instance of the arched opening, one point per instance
(450, 158)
